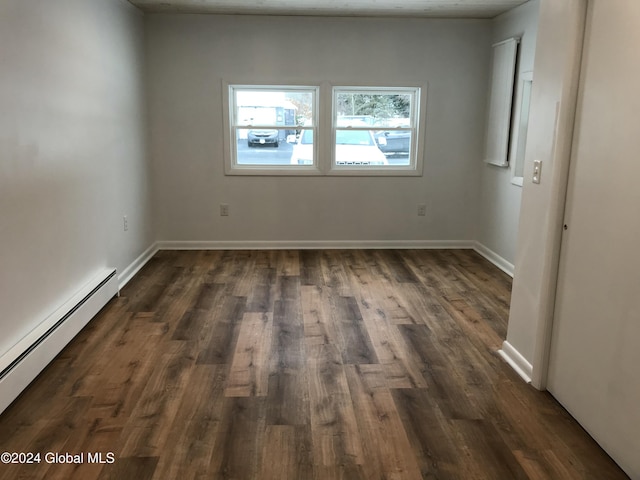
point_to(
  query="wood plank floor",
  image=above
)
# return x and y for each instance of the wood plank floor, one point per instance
(302, 365)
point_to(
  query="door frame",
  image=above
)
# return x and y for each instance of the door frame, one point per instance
(563, 150)
(543, 206)
(563, 153)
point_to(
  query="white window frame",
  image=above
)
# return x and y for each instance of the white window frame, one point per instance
(325, 113)
(416, 117)
(231, 126)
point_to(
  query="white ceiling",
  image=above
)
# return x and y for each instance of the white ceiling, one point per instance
(394, 8)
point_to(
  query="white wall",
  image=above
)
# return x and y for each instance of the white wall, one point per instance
(554, 93)
(73, 159)
(500, 199)
(189, 56)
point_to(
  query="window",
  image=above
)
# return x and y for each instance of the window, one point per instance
(313, 130)
(264, 125)
(375, 128)
(521, 126)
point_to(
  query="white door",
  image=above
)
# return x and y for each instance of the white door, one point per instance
(594, 368)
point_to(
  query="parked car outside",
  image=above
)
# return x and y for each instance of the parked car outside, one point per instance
(353, 147)
(263, 137)
(394, 142)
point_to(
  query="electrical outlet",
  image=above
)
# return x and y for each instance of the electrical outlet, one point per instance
(125, 223)
(422, 210)
(224, 210)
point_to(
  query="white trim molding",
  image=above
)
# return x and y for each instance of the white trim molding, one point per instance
(135, 266)
(515, 359)
(504, 265)
(314, 244)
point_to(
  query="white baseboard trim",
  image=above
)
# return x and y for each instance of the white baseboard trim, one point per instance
(314, 244)
(493, 257)
(515, 359)
(24, 361)
(135, 266)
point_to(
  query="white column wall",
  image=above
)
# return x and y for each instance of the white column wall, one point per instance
(551, 123)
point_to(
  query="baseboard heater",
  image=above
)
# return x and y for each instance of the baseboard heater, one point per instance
(25, 360)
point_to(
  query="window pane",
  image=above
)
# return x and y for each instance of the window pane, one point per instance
(522, 129)
(303, 149)
(375, 127)
(357, 147)
(264, 146)
(379, 109)
(273, 108)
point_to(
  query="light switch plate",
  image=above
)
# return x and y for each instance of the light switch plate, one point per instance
(537, 171)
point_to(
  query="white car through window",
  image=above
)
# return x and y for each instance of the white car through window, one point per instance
(353, 147)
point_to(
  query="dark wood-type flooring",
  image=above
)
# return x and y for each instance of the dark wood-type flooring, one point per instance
(304, 365)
